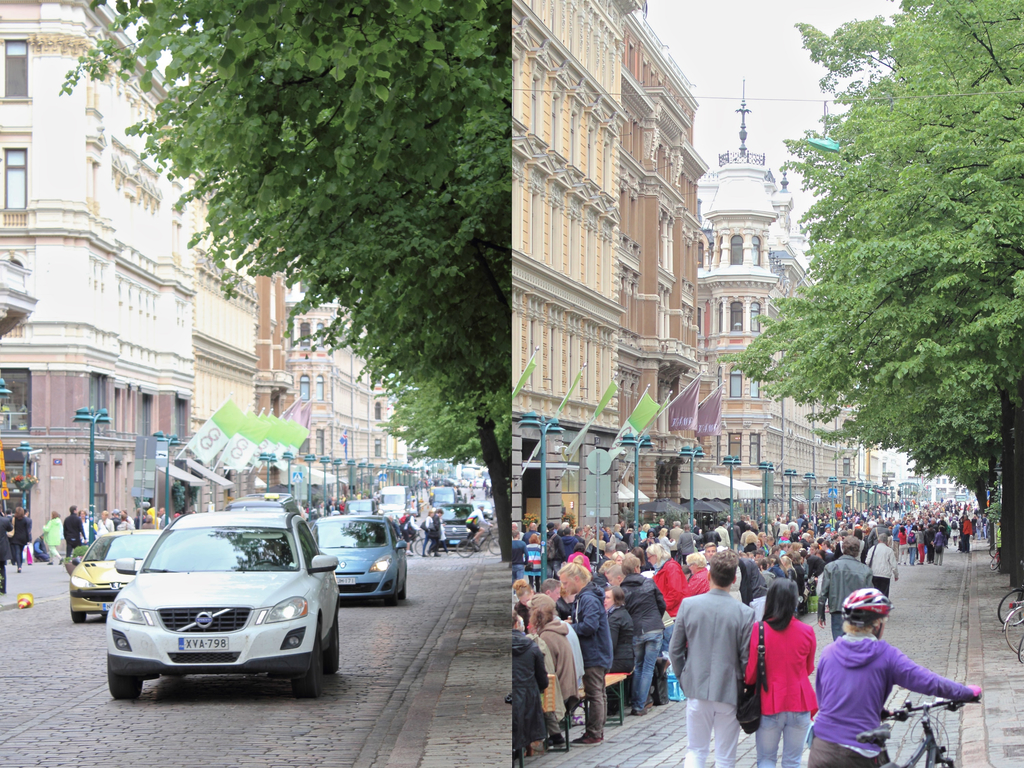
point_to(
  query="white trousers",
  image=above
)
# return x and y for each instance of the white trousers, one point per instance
(704, 718)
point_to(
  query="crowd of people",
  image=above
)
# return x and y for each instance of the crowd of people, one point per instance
(668, 600)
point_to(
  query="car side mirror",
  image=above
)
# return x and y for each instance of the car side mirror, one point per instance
(126, 566)
(323, 564)
(400, 545)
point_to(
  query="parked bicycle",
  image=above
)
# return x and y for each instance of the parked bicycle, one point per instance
(489, 542)
(1010, 599)
(929, 746)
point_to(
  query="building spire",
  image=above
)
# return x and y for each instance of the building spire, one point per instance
(743, 119)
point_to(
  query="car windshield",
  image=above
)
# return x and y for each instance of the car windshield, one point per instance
(456, 514)
(359, 505)
(114, 547)
(352, 534)
(393, 499)
(223, 549)
(444, 495)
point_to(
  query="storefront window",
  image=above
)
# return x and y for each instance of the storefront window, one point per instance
(15, 409)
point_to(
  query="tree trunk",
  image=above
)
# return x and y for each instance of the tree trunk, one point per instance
(500, 468)
(1008, 518)
(980, 490)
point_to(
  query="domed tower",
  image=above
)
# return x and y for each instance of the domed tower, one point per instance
(734, 288)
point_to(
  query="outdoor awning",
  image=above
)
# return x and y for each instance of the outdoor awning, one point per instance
(717, 487)
(185, 477)
(209, 474)
(626, 495)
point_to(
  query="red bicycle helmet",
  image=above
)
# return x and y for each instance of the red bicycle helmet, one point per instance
(865, 605)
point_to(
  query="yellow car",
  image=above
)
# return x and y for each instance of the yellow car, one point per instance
(94, 582)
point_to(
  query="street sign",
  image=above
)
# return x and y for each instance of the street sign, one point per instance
(296, 475)
(833, 493)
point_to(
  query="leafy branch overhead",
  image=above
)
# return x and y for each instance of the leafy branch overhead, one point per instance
(912, 324)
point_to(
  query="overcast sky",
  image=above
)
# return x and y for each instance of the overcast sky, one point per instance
(719, 44)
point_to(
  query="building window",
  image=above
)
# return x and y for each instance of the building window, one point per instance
(304, 334)
(304, 388)
(755, 318)
(736, 317)
(97, 391)
(700, 315)
(755, 389)
(145, 420)
(376, 411)
(735, 444)
(846, 467)
(319, 387)
(320, 442)
(756, 247)
(721, 317)
(735, 384)
(755, 449)
(736, 250)
(376, 449)
(572, 138)
(15, 409)
(16, 67)
(180, 427)
(16, 194)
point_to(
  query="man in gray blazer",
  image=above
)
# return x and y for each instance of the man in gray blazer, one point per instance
(709, 648)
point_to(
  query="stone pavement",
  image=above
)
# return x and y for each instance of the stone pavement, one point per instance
(936, 623)
(43, 581)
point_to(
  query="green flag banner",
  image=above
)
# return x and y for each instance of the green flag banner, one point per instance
(644, 412)
(526, 373)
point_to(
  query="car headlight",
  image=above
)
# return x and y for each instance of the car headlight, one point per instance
(381, 564)
(128, 612)
(77, 581)
(286, 610)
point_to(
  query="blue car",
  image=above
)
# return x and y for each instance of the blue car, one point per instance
(371, 557)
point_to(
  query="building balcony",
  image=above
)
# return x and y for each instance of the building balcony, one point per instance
(16, 303)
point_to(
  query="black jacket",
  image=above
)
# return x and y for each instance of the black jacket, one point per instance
(556, 551)
(620, 625)
(752, 586)
(529, 678)
(74, 531)
(815, 566)
(645, 603)
(6, 524)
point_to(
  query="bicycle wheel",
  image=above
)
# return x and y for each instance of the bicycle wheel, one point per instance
(1013, 627)
(994, 564)
(1020, 651)
(1008, 603)
(465, 548)
(493, 546)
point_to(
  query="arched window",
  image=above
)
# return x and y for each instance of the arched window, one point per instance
(736, 250)
(319, 327)
(721, 317)
(755, 389)
(736, 317)
(304, 387)
(756, 246)
(319, 387)
(700, 254)
(755, 318)
(304, 342)
(376, 411)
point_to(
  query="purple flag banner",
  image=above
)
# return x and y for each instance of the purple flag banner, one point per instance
(682, 414)
(709, 415)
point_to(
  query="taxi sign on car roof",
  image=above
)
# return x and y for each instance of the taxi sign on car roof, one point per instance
(271, 496)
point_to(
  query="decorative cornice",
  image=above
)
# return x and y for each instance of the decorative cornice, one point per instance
(58, 45)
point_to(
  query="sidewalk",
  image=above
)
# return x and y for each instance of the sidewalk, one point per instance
(43, 581)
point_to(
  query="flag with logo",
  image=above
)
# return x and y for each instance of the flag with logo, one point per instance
(215, 433)
(709, 415)
(245, 443)
(682, 413)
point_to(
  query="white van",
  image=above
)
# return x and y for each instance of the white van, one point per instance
(395, 498)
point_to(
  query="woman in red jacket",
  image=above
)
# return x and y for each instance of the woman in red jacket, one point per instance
(698, 582)
(668, 577)
(789, 703)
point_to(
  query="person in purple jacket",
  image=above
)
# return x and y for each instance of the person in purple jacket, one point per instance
(856, 675)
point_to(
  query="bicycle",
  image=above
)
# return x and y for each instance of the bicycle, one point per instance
(994, 562)
(468, 547)
(1007, 604)
(1013, 627)
(929, 747)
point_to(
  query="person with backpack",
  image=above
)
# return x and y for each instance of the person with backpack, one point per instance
(556, 550)
(533, 556)
(939, 544)
(912, 545)
(883, 564)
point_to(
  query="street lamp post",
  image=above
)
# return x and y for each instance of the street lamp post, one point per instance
(337, 482)
(790, 473)
(171, 441)
(94, 417)
(310, 459)
(325, 460)
(25, 449)
(288, 456)
(359, 482)
(545, 426)
(767, 488)
(691, 452)
(351, 475)
(832, 482)
(268, 459)
(809, 477)
(731, 461)
(636, 444)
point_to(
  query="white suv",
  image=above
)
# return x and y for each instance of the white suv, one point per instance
(227, 593)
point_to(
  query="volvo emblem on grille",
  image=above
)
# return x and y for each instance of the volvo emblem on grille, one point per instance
(204, 619)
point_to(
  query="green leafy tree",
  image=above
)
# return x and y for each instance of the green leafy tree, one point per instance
(362, 148)
(917, 236)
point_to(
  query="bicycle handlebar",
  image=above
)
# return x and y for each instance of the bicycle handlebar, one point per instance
(904, 712)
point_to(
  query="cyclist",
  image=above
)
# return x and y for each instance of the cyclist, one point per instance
(855, 676)
(477, 524)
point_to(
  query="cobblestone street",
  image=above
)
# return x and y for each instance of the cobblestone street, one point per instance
(942, 617)
(414, 679)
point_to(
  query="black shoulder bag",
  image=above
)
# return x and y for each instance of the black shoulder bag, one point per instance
(748, 710)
